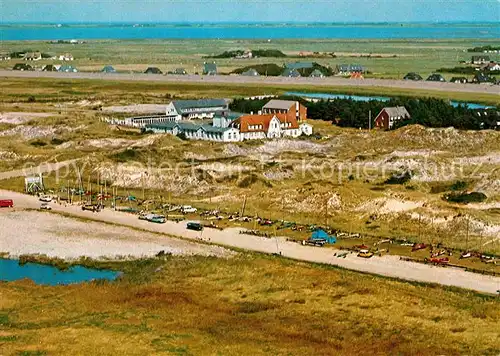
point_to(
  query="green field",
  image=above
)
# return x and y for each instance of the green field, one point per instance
(398, 57)
(207, 306)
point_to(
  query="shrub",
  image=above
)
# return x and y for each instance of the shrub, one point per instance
(38, 143)
(465, 198)
(399, 178)
(31, 99)
(125, 155)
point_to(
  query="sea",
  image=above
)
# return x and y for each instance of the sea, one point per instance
(267, 31)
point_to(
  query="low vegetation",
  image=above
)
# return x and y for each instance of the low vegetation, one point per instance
(465, 198)
(481, 49)
(247, 304)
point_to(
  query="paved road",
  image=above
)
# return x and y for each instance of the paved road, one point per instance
(389, 266)
(230, 79)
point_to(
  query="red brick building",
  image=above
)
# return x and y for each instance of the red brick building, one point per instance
(293, 109)
(389, 116)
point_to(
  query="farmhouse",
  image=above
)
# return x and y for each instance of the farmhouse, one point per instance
(293, 109)
(22, 67)
(68, 69)
(390, 115)
(180, 71)
(492, 67)
(32, 56)
(209, 68)
(480, 59)
(435, 78)
(51, 68)
(66, 57)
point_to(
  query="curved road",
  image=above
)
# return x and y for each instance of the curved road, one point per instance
(390, 266)
(239, 80)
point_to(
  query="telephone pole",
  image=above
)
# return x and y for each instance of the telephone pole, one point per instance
(369, 120)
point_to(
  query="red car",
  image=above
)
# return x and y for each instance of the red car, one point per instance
(417, 247)
(6, 203)
(438, 261)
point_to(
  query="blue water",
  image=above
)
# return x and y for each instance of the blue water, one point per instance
(368, 98)
(10, 270)
(249, 31)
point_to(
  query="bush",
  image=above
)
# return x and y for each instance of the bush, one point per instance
(465, 198)
(399, 178)
(125, 156)
(31, 99)
(38, 143)
(56, 141)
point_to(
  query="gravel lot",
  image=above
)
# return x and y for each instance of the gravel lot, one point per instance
(32, 232)
(390, 266)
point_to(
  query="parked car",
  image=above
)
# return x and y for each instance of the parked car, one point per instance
(188, 209)
(91, 207)
(365, 254)
(194, 226)
(45, 206)
(45, 198)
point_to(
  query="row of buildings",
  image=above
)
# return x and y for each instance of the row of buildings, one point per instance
(211, 120)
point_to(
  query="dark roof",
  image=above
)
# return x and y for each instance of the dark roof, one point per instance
(482, 78)
(186, 126)
(108, 69)
(153, 70)
(180, 71)
(299, 65)
(412, 76)
(182, 105)
(22, 66)
(290, 73)
(49, 68)
(435, 78)
(480, 58)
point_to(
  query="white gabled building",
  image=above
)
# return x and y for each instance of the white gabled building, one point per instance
(180, 110)
(252, 127)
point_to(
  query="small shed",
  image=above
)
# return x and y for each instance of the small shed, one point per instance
(108, 69)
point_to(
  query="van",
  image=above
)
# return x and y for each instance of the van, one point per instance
(194, 226)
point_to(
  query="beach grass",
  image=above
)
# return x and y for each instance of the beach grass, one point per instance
(249, 304)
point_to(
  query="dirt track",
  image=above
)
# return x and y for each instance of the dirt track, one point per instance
(230, 79)
(389, 266)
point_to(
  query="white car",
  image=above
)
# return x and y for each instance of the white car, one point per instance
(188, 209)
(46, 198)
(45, 206)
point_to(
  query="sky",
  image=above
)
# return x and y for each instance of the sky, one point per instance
(70, 11)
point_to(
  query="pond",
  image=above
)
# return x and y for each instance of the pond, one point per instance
(368, 98)
(11, 270)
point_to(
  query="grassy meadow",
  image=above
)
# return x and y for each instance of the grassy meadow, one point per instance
(249, 304)
(396, 57)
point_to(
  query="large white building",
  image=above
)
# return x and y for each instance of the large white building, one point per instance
(246, 127)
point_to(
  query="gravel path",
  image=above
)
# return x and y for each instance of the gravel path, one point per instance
(389, 266)
(234, 79)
